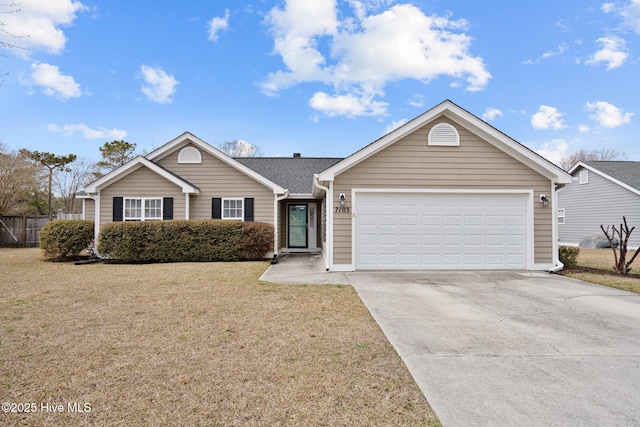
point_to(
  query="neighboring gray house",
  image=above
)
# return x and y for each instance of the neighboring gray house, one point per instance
(602, 192)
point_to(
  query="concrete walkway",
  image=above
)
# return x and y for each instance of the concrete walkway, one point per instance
(302, 269)
(504, 348)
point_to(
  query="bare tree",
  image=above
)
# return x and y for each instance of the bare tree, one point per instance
(603, 154)
(240, 148)
(621, 265)
(18, 180)
(5, 33)
(68, 183)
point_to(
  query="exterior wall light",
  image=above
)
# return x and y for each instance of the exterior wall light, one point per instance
(544, 200)
(343, 199)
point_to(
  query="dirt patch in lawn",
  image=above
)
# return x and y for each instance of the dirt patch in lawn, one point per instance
(192, 344)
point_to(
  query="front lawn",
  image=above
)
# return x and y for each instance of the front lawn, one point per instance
(192, 344)
(596, 266)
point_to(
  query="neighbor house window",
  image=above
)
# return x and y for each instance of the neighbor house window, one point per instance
(560, 216)
(142, 209)
(584, 177)
(232, 209)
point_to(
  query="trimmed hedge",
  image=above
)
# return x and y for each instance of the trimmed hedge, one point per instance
(66, 238)
(185, 241)
(568, 255)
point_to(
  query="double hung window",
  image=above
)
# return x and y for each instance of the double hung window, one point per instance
(142, 209)
(232, 209)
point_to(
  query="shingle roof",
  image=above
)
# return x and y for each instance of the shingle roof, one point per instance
(627, 172)
(293, 173)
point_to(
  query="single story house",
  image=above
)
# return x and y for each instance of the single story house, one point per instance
(602, 192)
(444, 191)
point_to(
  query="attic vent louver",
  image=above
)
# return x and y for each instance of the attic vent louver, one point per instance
(444, 134)
(189, 155)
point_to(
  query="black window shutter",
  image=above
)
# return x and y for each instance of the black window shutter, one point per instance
(248, 209)
(167, 208)
(216, 208)
(118, 209)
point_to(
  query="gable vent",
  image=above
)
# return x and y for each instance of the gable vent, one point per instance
(189, 155)
(444, 134)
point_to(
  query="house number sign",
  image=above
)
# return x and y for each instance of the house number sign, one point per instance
(342, 209)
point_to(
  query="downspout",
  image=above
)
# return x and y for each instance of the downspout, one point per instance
(557, 265)
(276, 226)
(329, 222)
(96, 222)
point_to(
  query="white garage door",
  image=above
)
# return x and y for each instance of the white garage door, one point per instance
(440, 231)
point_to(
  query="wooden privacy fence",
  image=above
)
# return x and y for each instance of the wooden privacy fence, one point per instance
(21, 231)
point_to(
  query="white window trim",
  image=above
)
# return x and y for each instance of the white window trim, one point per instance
(142, 216)
(584, 176)
(561, 216)
(236, 199)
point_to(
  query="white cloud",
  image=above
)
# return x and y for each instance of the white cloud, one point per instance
(584, 128)
(417, 100)
(218, 24)
(395, 125)
(614, 52)
(608, 115)
(54, 83)
(350, 105)
(608, 7)
(547, 118)
(561, 48)
(159, 86)
(358, 63)
(554, 151)
(87, 132)
(630, 13)
(36, 24)
(491, 113)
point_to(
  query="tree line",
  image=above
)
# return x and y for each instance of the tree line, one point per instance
(42, 183)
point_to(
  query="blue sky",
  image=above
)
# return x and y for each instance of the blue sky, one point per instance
(320, 77)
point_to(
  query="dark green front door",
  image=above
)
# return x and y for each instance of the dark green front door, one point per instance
(297, 215)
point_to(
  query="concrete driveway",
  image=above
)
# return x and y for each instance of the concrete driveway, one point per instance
(512, 348)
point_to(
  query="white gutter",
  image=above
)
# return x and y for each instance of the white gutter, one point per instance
(329, 225)
(276, 226)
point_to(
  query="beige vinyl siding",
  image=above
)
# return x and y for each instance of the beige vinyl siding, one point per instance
(474, 165)
(143, 182)
(215, 178)
(89, 209)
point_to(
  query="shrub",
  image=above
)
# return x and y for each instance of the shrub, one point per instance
(256, 241)
(66, 238)
(182, 241)
(568, 255)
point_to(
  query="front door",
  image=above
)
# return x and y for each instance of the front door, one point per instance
(297, 215)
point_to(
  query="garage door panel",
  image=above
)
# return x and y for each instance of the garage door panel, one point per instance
(440, 231)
